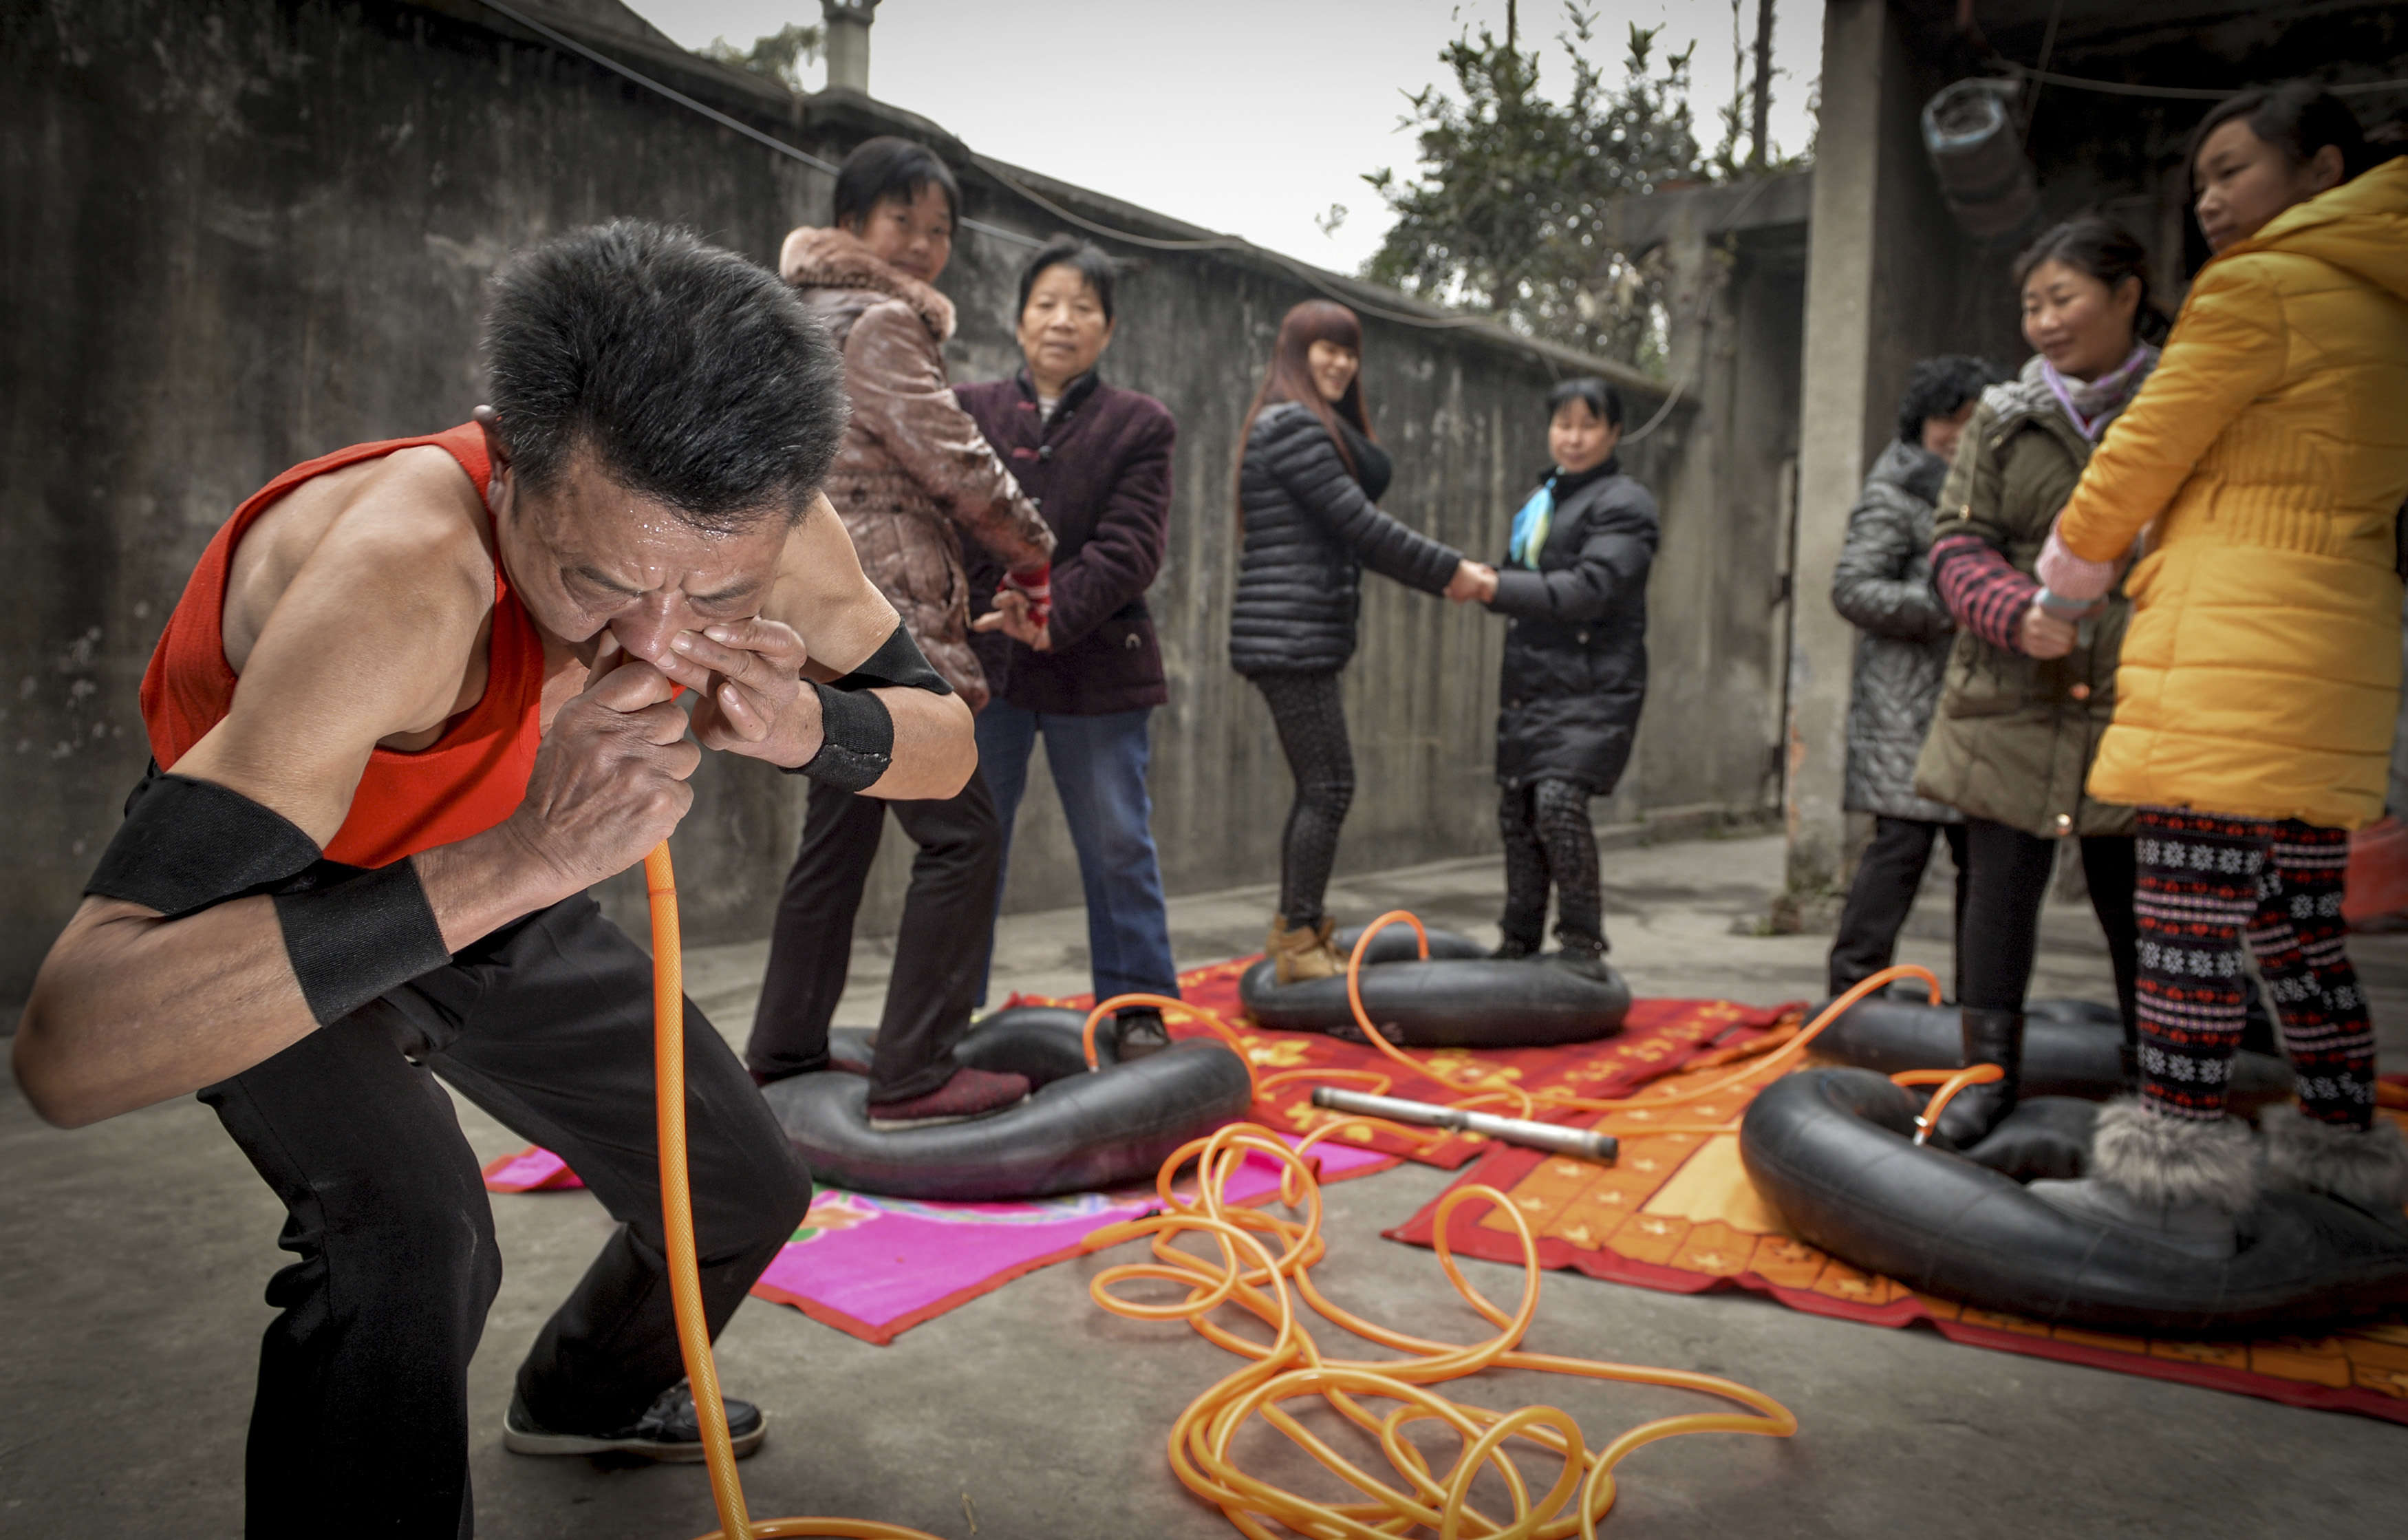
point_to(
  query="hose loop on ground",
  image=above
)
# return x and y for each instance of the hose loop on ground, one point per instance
(1261, 1263)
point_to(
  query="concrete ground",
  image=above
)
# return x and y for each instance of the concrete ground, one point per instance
(133, 1255)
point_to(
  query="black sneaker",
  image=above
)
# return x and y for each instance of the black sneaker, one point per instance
(1139, 1031)
(671, 1431)
(1514, 949)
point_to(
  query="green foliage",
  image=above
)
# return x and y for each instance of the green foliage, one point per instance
(1506, 217)
(780, 56)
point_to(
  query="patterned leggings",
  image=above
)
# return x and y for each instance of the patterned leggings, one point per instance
(2206, 883)
(1312, 722)
(1548, 838)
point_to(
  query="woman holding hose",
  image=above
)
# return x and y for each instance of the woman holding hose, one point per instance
(1308, 502)
(2260, 477)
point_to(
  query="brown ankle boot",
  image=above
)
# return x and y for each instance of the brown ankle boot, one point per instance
(1302, 953)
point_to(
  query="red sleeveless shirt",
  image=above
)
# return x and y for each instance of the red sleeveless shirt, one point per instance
(471, 778)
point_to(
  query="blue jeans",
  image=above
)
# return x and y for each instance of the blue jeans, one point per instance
(1099, 765)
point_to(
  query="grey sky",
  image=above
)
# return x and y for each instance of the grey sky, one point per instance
(1247, 116)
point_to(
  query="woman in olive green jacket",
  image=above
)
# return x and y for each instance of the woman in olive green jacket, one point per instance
(2029, 689)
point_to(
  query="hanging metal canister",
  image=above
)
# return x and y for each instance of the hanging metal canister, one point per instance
(1975, 151)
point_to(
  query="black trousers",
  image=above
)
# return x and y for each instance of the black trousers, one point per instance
(547, 1024)
(939, 954)
(2000, 933)
(1887, 880)
(1311, 716)
(1549, 842)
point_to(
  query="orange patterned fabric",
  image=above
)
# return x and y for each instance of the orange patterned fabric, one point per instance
(1677, 1213)
(1657, 1037)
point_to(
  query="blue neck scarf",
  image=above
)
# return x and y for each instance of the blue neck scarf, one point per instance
(1530, 525)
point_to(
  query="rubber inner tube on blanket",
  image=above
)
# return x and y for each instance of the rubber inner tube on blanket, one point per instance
(1460, 998)
(1077, 1132)
(2069, 1048)
(1832, 1149)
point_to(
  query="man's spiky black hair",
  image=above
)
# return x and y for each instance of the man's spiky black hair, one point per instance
(693, 376)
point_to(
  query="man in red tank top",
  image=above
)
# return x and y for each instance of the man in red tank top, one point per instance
(416, 700)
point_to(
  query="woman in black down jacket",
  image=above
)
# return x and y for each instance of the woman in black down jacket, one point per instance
(1307, 491)
(1575, 673)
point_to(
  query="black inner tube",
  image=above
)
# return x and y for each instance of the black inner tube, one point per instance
(2071, 1048)
(1461, 998)
(1832, 1149)
(1077, 1131)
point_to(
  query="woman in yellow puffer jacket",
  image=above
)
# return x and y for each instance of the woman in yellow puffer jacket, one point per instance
(2267, 461)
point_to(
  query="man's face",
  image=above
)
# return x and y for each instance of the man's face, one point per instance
(586, 554)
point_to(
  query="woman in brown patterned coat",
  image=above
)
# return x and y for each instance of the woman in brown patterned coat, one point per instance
(912, 477)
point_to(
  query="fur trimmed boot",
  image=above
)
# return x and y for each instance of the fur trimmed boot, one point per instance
(1988, 1037)
(2366, 1168)
(2180, 1181)
(1302, 952)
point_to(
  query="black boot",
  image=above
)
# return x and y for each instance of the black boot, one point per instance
(1137, 1031)
(1990, 1037)
(1582, 955)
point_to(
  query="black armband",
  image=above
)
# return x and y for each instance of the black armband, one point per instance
(349, 934)
(352, 933)
(187, 845)
(857, 731)
(897, 663)
(857, 739)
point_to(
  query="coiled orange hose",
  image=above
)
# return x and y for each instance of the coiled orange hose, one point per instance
(1251, 1277)
(1263, 1269)
(677, 1222)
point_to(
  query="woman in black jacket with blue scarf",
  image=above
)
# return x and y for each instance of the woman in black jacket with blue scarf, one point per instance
(1575, 672)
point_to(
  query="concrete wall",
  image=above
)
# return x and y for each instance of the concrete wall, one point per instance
(1887, 285)
(1721, 587)
(243, 232)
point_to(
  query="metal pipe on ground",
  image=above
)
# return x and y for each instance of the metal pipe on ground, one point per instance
(1582, 1143)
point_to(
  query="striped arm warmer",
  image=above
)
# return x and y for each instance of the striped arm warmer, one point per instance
(1982, 588)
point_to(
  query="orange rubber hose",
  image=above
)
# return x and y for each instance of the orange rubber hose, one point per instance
(1789, 1050)
(1753, 1058)
(1263, 1269)
(1227, 1033)
(1950, 1082)
(1267, 1285)
(1765, 1055)
(677, 1222)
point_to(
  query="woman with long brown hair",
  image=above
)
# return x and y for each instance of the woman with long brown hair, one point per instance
(1307, 491)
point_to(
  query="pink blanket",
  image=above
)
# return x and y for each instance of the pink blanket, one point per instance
(876, 1267)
